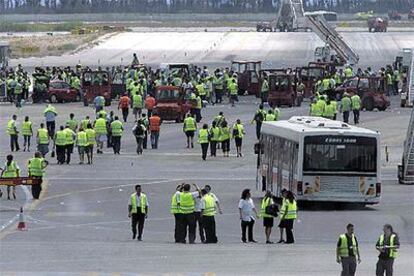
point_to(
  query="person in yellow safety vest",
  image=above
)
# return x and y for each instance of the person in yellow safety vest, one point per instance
(320, 103)
(81, 143)
(264, 91)
(102, 113)
(60, 144)
(233, 90)
(338, 77)
(259, 117)
(396, 77)
(91, 136)
(329, 110)
(101, 132)
(335, 107)
(389, 82)
(200, 90)
(225, 136)
(10, 170)
(387, 245)
(208, 87)
(176, 212)
(203, 140)
(270, 116)
(288, 214)
(348, 72)
(13, 133)
(214, 138)
(197, 108)
(238, 134)
(347, 251)
(346, 107)
(277, 113)
(70, 142)
(18, 93)
(43, 139)
(283, 194)
(84, 123)
(218, 84)
(27, 133)
(209, 210)
(186, 206)
(318, 87)
(138, 211)
(117, 129)
(326, 84)
(356, 107)
(75, 83)
(189, 128)
(268, 220)
(134, 88)
(137, 106)
(36, 167)
(72, 122)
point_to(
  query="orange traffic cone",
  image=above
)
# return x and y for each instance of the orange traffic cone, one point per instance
(22, 224)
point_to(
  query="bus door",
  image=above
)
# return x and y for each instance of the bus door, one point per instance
(267, 170)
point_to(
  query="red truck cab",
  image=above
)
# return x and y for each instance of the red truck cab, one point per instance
(171, 103)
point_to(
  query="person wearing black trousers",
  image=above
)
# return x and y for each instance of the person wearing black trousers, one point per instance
(247, 211)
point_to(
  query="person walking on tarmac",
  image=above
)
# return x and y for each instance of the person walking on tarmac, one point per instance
(208, 211)
(186, 206)
(387, 245)
(233, 90)
(91, 137)
(259, 117)
(345, 107)
(356, 106)
(42, 140)
(203, 140)
(268, 220)
(50, 114)
(214, 134)
(138, 211)
(176, 213)
(225, 136)
(101, 133)
(82, 144)
(281, 226)
(149, 104)
(36, 167)
(329, 110)
(288, 214)
(10, 170)
(154, 127)
(145, 122)
(70, 142)
(60, 145)
(124, 103)
(189, 128)
(14, 134)
(72, 123)
(264, 92)
(116, 129)
(247, 211)
(27, 133)
(139, 131)
(238, 133)
(347, 251)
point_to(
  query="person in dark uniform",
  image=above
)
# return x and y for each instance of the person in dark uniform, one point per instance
(387, 245)
(347, 251)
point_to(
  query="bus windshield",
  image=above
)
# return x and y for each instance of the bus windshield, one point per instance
(340, 154)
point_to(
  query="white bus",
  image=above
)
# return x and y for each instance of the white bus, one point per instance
(320, 160)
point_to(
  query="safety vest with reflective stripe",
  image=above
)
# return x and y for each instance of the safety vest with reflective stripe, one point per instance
(116, 127)
(73, 124)
(240, 130)
(203, 136)
(11, 170)
(343, 248)
(215, 134)
(81, 139)
(134, 205)
(27, 128)
(346, 104)
(329, 111)
(91, 135)
(265, 202)
(36, 167)
(189, 124)
(225, 133)
(393, 252)
(60, 138)
(100, 126)
(291, 209)
(11, 127)
(356, 102)
(210, 206)
(174, 206)
(187, 204)
(43, 136)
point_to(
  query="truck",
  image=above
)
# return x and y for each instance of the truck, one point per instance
(377, 24)
(171, 103)
(247, 76)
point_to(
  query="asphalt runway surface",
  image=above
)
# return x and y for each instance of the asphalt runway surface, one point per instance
(219, 47)
(80, 225)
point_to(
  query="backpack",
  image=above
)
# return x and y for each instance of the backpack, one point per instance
(259, 117)
(139, 131)
(236, 132)
(272, 210)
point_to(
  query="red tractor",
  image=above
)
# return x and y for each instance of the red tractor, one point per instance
(394, 15)
(309, 76)
(370, 89)
(247, 76)
(96, 83)
(281, 89)
(171, 103)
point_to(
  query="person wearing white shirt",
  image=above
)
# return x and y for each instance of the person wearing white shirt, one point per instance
(247, 211)
(138, 211)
